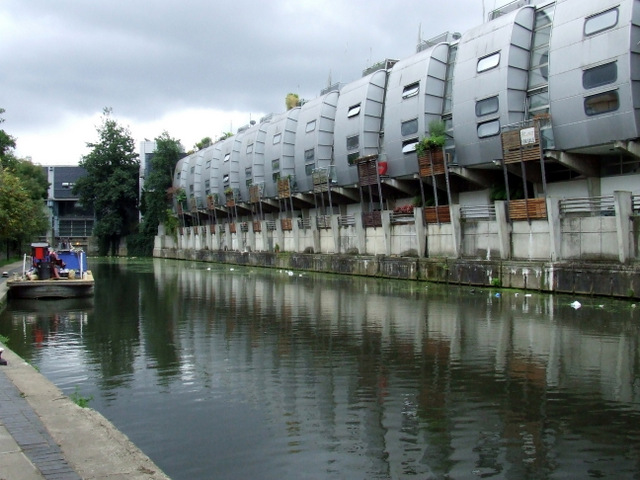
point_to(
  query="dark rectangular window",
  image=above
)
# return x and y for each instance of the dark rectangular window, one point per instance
(600, 75)
(487, 106)
(409, 127)
(353, 142)
(309, 161)
(488, 129)
(601, 103)
(352, 157)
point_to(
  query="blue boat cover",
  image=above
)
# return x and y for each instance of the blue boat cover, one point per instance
(72, 259)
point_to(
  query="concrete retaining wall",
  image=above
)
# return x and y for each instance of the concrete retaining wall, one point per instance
(563, 277)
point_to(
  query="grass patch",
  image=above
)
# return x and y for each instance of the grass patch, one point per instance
(10, 260)
(78, 399)
(4, 339)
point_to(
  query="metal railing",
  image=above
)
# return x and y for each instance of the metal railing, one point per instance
(346, 220)
(477, 212)
(587, 206)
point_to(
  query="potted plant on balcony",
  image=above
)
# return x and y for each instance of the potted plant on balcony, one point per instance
(429, 150)
(228, 193)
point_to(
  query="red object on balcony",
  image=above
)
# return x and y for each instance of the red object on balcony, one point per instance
(382, 168)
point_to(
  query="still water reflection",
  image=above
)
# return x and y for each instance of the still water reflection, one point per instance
(228, 373)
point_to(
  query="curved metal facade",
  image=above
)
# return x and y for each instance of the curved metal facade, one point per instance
(576, 61)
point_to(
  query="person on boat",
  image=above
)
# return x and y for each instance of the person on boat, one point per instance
(56, 263)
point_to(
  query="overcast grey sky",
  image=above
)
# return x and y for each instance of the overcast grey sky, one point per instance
(194, 68)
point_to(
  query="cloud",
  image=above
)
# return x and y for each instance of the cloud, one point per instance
(189, 64)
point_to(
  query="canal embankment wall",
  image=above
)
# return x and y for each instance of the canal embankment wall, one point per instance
(91, 445)
(578, 246)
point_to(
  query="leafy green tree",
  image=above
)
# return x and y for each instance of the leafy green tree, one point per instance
(34, 178)
(204, 143)
(22, 217)
(7, 144)
(23, 187)
(111, 184)
(155, 201)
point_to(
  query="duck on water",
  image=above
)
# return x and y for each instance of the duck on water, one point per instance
(53, 274)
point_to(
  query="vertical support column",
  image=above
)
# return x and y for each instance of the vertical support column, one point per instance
(504, 230)
(361, 234)
(386, 231)
(456, 230)
(623, 207)
(279, 235)
(228, 236)
(265, 236)
(251, 237)
(315, 234)
(335, 231)
(421, 231)
(555, 232)
(295, 231)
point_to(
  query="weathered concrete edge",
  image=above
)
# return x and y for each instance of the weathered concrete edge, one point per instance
(91, 444)
(583, 278)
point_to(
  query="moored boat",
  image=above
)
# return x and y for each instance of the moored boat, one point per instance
(53, 274)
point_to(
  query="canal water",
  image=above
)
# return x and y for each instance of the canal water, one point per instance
(221, 372)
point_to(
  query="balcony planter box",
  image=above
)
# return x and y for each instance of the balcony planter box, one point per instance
(531, 209)
(286, 224)
(431, 162)
(372, 219)
(439, 214)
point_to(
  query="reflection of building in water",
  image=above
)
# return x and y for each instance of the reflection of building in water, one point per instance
(411, 378)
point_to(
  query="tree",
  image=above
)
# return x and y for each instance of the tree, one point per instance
(155, 200)
(111, 184)
(21, 216)
(204, 143)
(7, 144)
(23, 187)
(292, 100)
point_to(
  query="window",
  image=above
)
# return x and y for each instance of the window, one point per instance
(247, 172)
(601, 103)
(353, 157)
(487, 106)
(353, 111)
(409, 127)
(488, 62)
(226, 157)
(411, 90)
(207, 184)
(600, 75)
(250, 148)
(275, 167)
(208, 164)
(193, 169)
(353, 142)
(276, 138)
(488, 129)
(600, 22)
(409, 146)
(225, 179)
(311, 126)
(309, 161)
